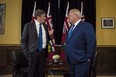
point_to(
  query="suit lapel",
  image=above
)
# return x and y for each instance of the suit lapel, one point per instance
(45, 27)
(75, 29)
(34, 28)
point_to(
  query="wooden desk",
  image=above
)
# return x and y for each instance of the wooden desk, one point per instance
(55, 67)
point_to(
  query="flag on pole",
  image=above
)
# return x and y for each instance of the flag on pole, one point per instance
(66, 24)
(33, 15)
(50, 27)
(64, 33)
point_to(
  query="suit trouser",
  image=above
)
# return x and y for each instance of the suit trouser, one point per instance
(80, 70)
(37, 64)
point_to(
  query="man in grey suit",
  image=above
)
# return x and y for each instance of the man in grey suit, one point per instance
(80, 45)
(30, 44)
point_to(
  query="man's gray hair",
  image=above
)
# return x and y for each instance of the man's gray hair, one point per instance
(38, 13)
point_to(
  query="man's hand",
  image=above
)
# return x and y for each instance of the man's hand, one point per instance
(51, 32)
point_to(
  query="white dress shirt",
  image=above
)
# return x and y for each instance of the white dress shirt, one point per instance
(43, 33)
(76, 23)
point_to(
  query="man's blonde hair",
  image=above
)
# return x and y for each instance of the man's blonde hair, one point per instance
(77, 12)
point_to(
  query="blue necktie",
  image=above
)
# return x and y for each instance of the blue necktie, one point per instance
(70, 31)
(40, 38)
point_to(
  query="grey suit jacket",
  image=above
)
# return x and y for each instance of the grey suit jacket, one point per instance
(29, 40)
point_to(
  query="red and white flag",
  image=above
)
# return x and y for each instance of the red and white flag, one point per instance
(50, 27)
(66, 25)
(64, 32)
(33, 15)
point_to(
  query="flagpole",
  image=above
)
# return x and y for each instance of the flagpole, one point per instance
(83, 17)
(33, 15)
(48, 12)
(81, 8)
(58, 4)
(67, 9)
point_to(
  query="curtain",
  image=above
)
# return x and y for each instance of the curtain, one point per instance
(58, 9)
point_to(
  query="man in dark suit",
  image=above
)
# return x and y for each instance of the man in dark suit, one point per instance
(80, 45)
(34, 51)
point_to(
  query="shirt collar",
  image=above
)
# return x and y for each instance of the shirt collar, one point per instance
(36, 22)
(77, 22)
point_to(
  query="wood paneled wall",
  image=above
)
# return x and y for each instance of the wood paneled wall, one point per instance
(6, 57)
(106, 58)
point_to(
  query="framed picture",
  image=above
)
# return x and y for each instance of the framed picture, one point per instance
(2, 17)
(108, 22)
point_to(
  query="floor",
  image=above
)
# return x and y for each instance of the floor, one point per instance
(52, 76)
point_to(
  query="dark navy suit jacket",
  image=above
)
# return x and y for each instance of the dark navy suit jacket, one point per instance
(82, 44)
